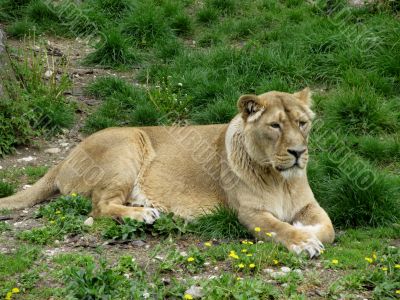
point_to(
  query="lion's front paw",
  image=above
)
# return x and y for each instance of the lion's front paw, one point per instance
(305, 241)
(312, 246)
(149, 215)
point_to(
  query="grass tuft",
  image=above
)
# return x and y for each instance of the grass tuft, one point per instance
(221, 223)
(146, 24)
(360, 111)
(353, 192)
(113, 50)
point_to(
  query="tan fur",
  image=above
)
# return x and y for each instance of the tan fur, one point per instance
(248, 164)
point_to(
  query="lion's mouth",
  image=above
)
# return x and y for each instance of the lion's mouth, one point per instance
(282, 169)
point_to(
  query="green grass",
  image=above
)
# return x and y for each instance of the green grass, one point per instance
(194, 60)
(222, 223)
(113, 50)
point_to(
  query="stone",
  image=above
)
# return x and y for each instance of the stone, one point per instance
(298, 271)
(285, 269)
(195, 291)
(268, 271)
(278, 274)
(26, 186)
(48, 74)
(26, 159)
(89, 222)
(52, 150)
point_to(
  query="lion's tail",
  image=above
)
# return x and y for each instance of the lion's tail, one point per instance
(39, 192)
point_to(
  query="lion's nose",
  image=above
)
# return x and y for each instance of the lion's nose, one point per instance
(296, 152)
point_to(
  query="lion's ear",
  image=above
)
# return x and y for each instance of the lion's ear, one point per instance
(304, 96)
(249, 106)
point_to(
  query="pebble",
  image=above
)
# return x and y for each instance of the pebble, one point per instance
(195, 291)
(1, 167)
(277, 274)
(183, 253)
(89, 222)
(285, 269)
(26, 186)
(64, 145)
(268, 271)
(48, 73)
(26, 159)
(52, 150)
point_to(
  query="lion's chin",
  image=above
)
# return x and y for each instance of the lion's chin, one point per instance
(292, 172)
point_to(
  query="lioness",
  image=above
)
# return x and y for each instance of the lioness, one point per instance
(256, 164)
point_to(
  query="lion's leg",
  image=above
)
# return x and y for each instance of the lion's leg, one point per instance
(314, 219)
(294, 239)
(110, 202)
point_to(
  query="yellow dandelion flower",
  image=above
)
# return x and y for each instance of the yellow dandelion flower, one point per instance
(252, 266)
(250, 243)
(187, 297)
(322, 251)
(8, 296)
(190, 259)
(241, 266)
(334, 261)
(384, 268)
(208, 244)
(15, 290)
(269, 234)
(239, 278)
(52, 222)
(244, 250)
(233, 255)
(58, 212)
(249, 254)
(74, 195)
(397, 291)
(374, 256)
(257, 229)
(369, 259)
(275, 261)
(397, 266)
(244, 242)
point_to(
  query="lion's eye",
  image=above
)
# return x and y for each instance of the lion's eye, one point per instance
(275, 125)
(302, 124)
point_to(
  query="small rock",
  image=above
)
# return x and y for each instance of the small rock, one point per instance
(1, 167)
(48, 74)
(25, 211)
(26, 159)
(195, 291)
(89, 222)
(52, 150)
(284, 285)
(268, 271)
(183, 253)
(26, 186)
(159, 257)
(138, 243)
(285, 269)
(278, 274)
(64, 145)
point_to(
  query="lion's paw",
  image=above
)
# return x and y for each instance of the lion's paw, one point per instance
(150, 215)
(312, 246)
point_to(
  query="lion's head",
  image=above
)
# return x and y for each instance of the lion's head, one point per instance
(276, 129)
